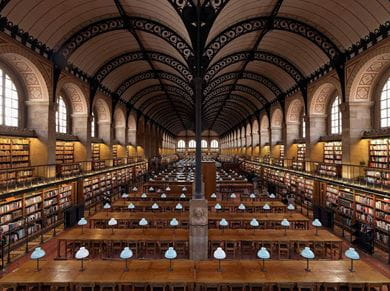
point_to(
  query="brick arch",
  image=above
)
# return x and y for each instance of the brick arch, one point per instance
(366, 74)
(75, 96)
(277, 118)
(321, 97)
(119, 117)
(264, 122)
(294, 110)
(102, 110)
(255, 126)
(35, 75)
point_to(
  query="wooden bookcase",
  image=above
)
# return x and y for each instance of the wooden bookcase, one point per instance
(379, 162)
(64, 152)
(95, 148)
(332, 159)
(29, 212)
(15, 158)
(299, 163)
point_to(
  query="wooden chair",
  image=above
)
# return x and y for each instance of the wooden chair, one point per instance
(376, 287)
(231, 249)
(356, 286)
(84, 287)
(331, 286)
(107, 287)
(157, 287)
(258, 287)
(285, 286)
(177, 287)
(307, 286)
(237, 287)
(283, 250)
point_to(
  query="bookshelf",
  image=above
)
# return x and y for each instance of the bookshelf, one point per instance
(332, 159)
(115, 151)
(379, 162)
(15, 158)
(95, 147)
(299, 163)
(64, 152)
(29, 212)
(65, 170)
(14, 153)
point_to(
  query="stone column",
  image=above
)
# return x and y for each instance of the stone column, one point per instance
(356, 118)
(41, 118)
(315, 128)
(82, 129)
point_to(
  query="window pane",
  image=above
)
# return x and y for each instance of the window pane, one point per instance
(385, 105)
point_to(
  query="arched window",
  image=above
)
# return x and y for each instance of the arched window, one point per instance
(9, 101)
(61, 116)
(203, 144)
(93, 125)
(181, 144)
(335, 117)
(385, 105)
(303, 127)
(214, 144)
(192, 144)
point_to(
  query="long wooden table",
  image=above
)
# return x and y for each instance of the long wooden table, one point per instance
(240, 243)
(230, 206)
(106, 242)
(237, 243)
(193, 274)
(128, 219)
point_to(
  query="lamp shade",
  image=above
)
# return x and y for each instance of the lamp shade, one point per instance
(143, 195)
(182, 195)
(352, 254)
(82, 221)
(233, 195)
(218, 206)
(272, 196)
(316, 223)
(254, 222)
(229, 176)
(168, 189)
(151, 179)
(107, 206)
(130, 206)
(285, 222)
(223, 222)
(291, 207)
(82, 253)
(135, 189)
(219, 254)
(126, 253)
(213, 195)
(179, 206)
(170, 253)
(241, 207)
(125, 195)
(38, 253)
(307, 253)
(155, 206)
(174, 222)
(252, 196)
(266, 207)
(233, 179)
(112, 222)
(220, 179)
(151, 189)
(246, 180)
(163, 179)
(163, 195)
(263, 254)
(184, 189)
(143, 222)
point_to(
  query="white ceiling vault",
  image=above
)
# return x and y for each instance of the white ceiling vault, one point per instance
(251, 52)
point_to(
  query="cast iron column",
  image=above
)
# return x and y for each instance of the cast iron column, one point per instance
(198, 193)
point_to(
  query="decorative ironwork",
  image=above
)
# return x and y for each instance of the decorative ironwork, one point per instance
(279, 23)
(151, 100)
(276, 60)
(245, 101)
(246, 75)
(157, 88)
(3, 3)
(226, 89)
(129, 57)
(117, 23)
(152, 75)
(179, 5)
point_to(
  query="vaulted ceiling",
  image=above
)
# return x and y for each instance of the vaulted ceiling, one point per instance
(249, 53)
